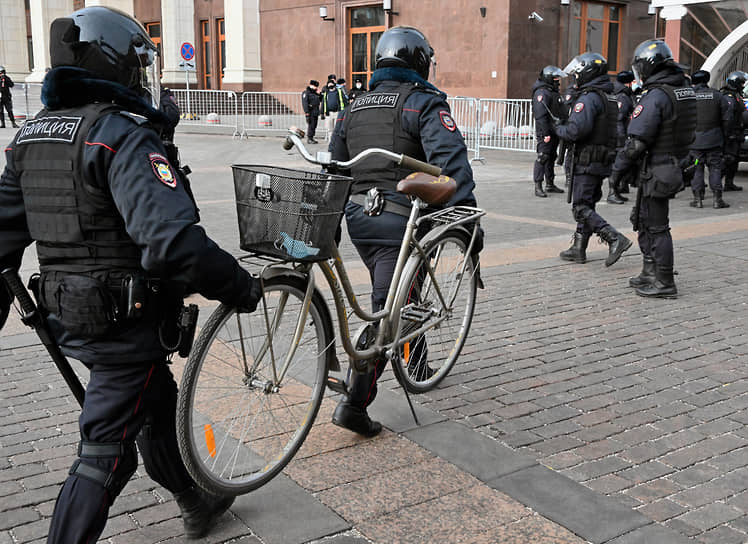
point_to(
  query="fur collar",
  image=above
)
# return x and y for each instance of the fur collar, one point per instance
(400, 74)
(70, 87)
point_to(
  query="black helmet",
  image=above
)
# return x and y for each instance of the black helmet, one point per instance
(700, 76)
(650, 57)
(626, 76)
(551, 75)
(108, 43)
(586, 67)
(736, 80)
(404, 47)
(2, 69)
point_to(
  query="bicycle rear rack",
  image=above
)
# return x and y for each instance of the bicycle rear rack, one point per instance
(454, 215)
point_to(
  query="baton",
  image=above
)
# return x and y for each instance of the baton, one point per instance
(31, 316)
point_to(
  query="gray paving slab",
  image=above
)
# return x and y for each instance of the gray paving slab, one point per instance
(652, 534)
(592, 516)
(281, 512)
(391, 409)
(484, 458)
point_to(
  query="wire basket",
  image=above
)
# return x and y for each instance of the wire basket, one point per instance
(289, 214)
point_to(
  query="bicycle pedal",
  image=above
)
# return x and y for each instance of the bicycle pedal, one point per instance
(337, 385)
(416, 314)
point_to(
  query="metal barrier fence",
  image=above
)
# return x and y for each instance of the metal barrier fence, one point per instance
(486, 123)
(218, 109)
(272, 113)
(506, 124)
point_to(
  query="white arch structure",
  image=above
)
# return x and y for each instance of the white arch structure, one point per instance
(728, 55)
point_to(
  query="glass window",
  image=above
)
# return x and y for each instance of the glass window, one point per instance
(594, 38)
(615, 13)
(596, 27)
(372, 16)
(612, 45)
(358, 52)
(595, 11)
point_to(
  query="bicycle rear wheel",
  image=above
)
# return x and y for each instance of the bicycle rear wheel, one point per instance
(240, 417)
(427, 359)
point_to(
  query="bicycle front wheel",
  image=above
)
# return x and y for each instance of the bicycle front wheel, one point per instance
(427, 359)
(246, 404)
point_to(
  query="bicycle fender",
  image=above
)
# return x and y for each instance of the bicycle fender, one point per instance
(288, 272)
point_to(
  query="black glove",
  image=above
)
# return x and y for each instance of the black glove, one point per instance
(5, 301)
(247, 302)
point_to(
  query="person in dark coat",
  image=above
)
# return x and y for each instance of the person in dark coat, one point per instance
(357, 90)
(625, 98)
(108, 211)
(657, 144)
(546, 104)
(712, 114)
(404, 113)
(6, 98)
(733, 127)
(592, 130)
(310, 101)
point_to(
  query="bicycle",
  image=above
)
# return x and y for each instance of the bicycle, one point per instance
(254, 382)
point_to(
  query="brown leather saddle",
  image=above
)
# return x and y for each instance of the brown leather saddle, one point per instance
(430, 189)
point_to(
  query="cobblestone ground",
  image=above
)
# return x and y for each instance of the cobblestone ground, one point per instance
(643, 401)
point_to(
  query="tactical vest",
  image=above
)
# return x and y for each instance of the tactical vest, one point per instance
(74, 222)
(676, 134)
(708, 110)
(599, 144)
(374, 120)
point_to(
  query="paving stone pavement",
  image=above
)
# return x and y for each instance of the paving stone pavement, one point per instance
(578, 412)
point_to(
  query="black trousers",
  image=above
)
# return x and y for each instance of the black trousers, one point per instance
(654, 230)
(6, 104)
(730, 161)
(311, 125)
(544, 163)
(713, 159)
(587, 193)
(122, 402)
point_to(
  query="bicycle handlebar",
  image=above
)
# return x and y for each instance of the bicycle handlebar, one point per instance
(324, 158)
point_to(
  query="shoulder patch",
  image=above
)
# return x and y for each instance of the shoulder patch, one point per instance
(60, 129)
(540, 98)
(637, 111)
(162, 170)
(578, 107)
(447, 121)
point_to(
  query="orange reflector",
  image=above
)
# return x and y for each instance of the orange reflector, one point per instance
(210, 440)
(406, 352)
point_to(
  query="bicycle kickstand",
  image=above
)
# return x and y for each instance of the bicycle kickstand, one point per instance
(396, 360)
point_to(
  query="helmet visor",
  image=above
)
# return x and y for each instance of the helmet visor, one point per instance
(150, 77)
(574, 66)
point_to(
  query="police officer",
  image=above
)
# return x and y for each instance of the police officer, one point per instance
(333, 101)
(592, 129)
(88, 180)
(733, 127)
(625, 97)
(658, 137)
(6, 99)
(712, 113)
(546, 103)
(357, 90)
(404, 113)
(310, 101)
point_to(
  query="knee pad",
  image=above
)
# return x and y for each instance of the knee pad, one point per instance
(109, 464)
(581, 212)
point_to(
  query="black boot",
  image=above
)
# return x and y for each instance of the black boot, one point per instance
(13, 124)
(730, 186)
(614, 197)
(578, 251)
(662, 287)
(647, 275)
(717, 201)
(200, 510)
(351, 410)
(355, 418)
(624, 189)
(697, 201)
(539, 189)
(617, 243)
(551, 188)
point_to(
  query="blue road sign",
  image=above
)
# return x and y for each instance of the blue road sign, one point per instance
(187, 51)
